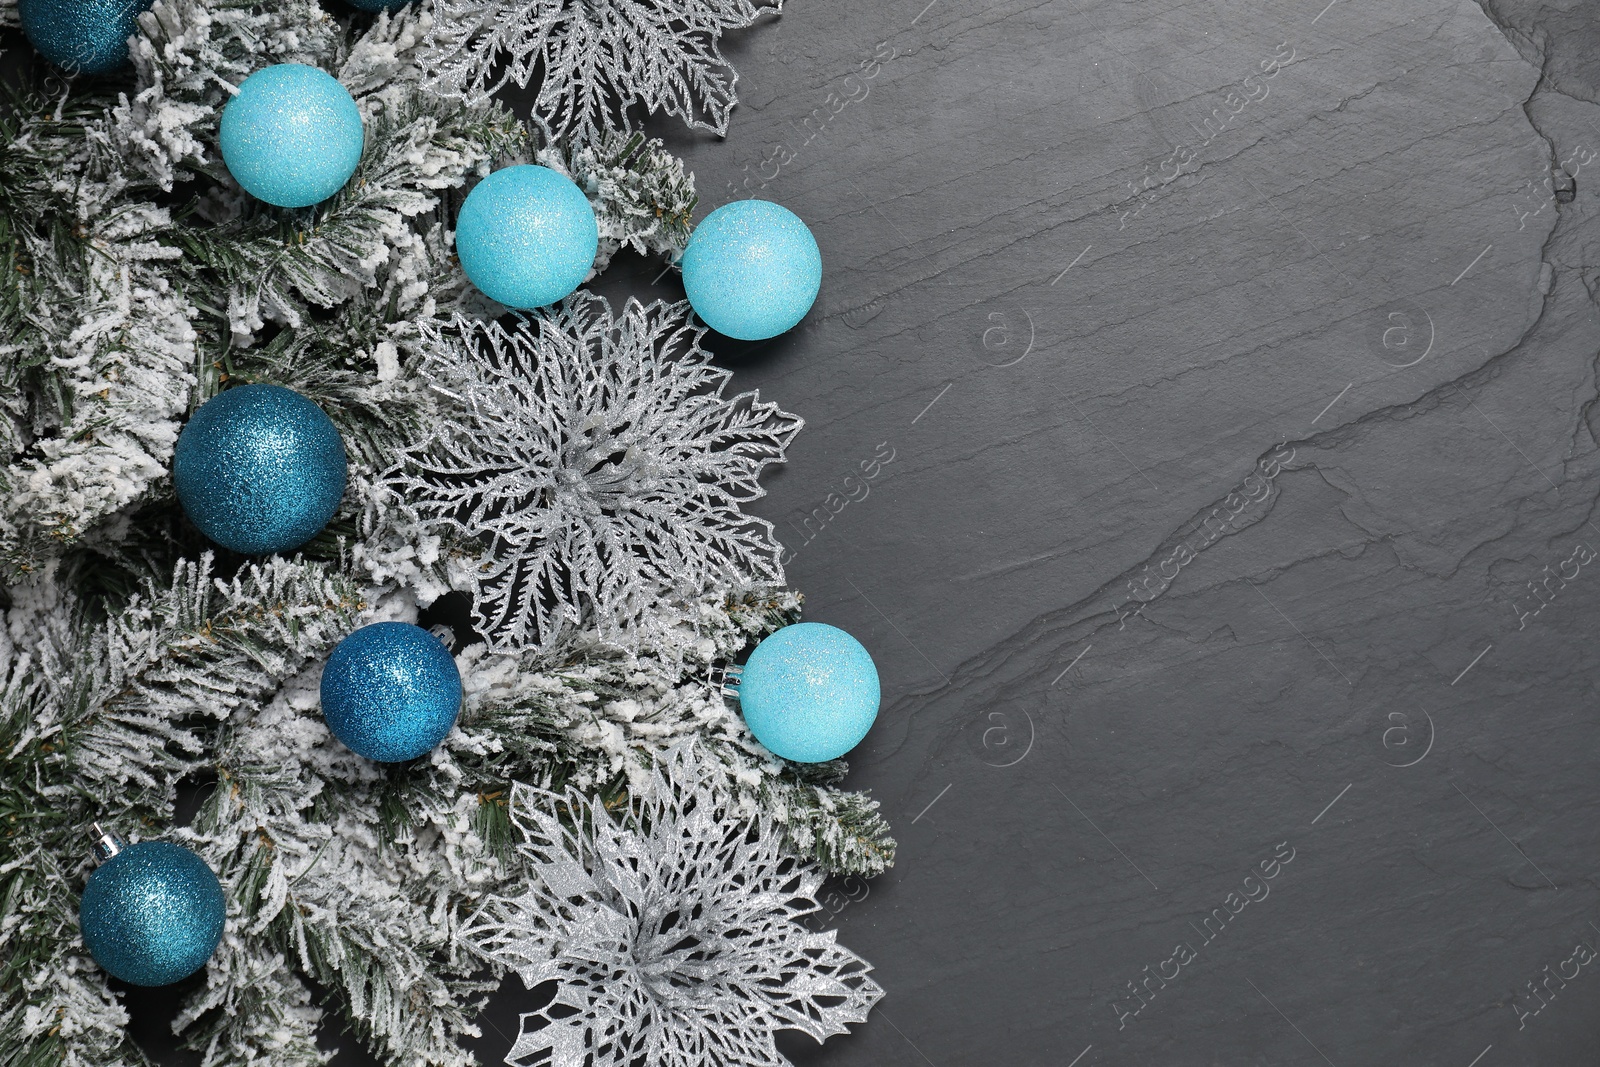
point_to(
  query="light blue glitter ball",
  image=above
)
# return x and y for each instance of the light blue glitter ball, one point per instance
(809, 692)
(82, 36)
(152, 914)
(526, 236)
(259, 469)
(292, 136)
(391, 691)
(752, 269)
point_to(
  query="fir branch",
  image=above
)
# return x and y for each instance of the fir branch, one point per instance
(643, 196)
(600, 721)
(99, 721)
(355, 872)
(96, 343)
(274, 264)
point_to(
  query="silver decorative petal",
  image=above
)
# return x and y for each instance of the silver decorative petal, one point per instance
(670, 928)
(598, 463)
(593, 58)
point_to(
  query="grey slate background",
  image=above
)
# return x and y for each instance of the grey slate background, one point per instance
(1382, 265)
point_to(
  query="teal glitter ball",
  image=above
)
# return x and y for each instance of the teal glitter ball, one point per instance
(292, 136)
(82, 36)
(752, 269)
(526, 236)
(259, 469)
(809, 692)
(391, 691)
(152, 914)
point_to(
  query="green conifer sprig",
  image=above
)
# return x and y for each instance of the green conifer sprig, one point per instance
(100, 721)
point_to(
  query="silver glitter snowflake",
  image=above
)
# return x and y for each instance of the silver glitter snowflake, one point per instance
(597, 462)
(593, 58)
(669, 930)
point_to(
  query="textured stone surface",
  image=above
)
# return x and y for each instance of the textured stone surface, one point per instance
(1362, 325)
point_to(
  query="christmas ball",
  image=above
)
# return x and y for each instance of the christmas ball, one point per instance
(259, 469)
(82, 36)
(526, 236)
(152, 914)
(391, 691)
(375, 6)
(292, 136)
(752, 269)
(809, 692)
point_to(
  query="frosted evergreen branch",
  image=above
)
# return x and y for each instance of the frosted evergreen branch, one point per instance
(277, 264)
(604, 719)
(95, 343)
(363, 908)
(643, 196)
(99, 721)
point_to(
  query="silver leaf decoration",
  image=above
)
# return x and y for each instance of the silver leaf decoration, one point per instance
(592, 58)
(670, 928)
(597, 462)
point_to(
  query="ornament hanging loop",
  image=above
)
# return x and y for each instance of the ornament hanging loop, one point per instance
(728, 682)
(107, 843)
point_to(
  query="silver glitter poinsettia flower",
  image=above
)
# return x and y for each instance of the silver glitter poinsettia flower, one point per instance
(597, 462)
(669, 929)
(593, 58)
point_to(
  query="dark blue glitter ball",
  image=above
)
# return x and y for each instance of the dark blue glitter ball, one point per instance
(391, 691)
(259, 469)
(152, 914)
(378, 5)
(82, 36)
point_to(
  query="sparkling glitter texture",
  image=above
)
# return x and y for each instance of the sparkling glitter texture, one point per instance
(292, 136)
(752, 269)
(595, 458)
(669, 926)
(526, 236)
(81, 36)
(377, 5)
(589, 63)
(259, 469)
(152, 914)
(809, 692)
(391, 691)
